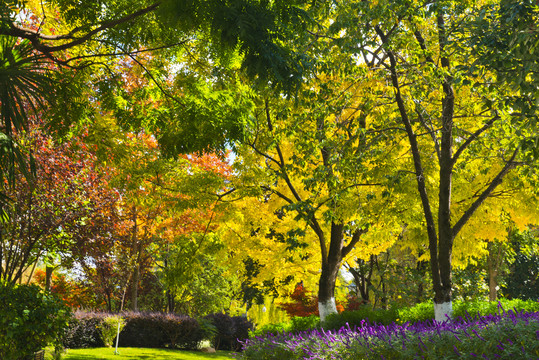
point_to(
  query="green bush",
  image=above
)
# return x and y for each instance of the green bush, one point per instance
(295, 325)
(30, 320)
(304, 323)
(420, 312)
(158, 330)
(109, 329)
(363, 315)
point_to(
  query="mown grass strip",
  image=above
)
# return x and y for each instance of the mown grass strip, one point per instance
(143, 353)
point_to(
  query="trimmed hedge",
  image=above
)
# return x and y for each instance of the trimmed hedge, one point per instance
(83, 330)
(159, 330)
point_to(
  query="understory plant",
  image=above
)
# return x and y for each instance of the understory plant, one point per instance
(507, 335)
(109, 329)
(30, 320)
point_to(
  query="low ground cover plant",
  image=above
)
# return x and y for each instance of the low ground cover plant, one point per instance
(508, 334)
(420, 312)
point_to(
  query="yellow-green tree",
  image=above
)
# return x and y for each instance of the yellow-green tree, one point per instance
(466, 144)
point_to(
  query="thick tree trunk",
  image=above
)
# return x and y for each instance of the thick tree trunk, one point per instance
(330, 270)
(326, 292)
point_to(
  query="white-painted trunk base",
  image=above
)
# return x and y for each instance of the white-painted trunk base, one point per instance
(327, 308)
(443, 309)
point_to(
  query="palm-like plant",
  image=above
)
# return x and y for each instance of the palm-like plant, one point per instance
(24, 87)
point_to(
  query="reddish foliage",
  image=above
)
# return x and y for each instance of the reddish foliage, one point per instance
(304, 304)
(73, 294)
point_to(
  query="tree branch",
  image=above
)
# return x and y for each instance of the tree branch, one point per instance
(472, 137)
(36, 38)
(509, 165)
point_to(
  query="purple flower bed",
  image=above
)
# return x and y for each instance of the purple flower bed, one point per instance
(509, 335)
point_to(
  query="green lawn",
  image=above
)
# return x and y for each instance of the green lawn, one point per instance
(143, 353)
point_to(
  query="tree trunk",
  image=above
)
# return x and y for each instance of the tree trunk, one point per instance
(495, 258)
(48, 278)
(170, 301)
(330, 271)
(326, 292)
(134, 288)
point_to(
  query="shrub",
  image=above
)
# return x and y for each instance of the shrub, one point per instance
(298, 323)
(273, 329)
(364, 315)
(29, 320)
(181, 331)
(229, 330)
(109, 329)
(158, 330)
(83, 330)
(142, 330)
(420, 312)
(425, 311)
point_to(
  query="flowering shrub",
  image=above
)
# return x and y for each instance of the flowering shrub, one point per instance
(502, 336)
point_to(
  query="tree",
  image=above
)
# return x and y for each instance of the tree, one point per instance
(63, 216)
(306, 166)
(464, 139)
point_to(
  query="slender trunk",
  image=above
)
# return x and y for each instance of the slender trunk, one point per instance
(170, 301)
(48, 278)
(134, 288)
(136, 271)
(495, 258)
(421, 268)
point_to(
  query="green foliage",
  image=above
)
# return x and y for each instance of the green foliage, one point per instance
(109, 329)
(304, 323)
(29, 320)
(420, 312)
(230, 330)
(523, 279)
(363, 316)
(295, 325)
(425, 311)
(158, 330)
(83, 330)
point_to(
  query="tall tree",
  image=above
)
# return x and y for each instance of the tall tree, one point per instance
(464, 138)
(317, 178)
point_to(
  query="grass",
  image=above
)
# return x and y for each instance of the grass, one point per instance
(143, 353)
